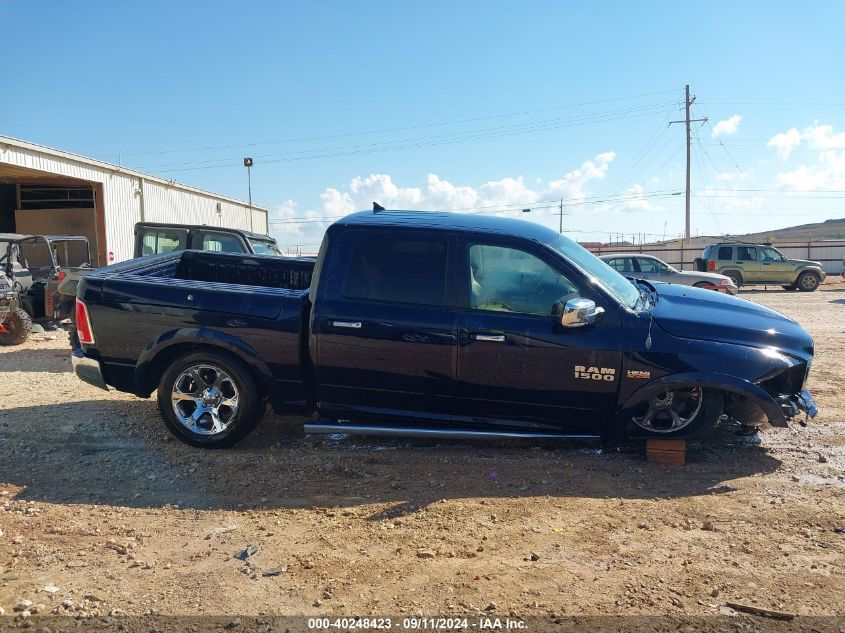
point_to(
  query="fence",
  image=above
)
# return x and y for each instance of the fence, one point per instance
(827, 252)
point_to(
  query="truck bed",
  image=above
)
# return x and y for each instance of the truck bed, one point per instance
(246, 301)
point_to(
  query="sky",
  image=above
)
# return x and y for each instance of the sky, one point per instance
(485, 107)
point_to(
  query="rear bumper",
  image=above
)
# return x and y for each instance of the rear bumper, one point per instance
(88, 370)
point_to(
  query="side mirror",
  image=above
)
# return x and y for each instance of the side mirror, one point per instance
(577, 312)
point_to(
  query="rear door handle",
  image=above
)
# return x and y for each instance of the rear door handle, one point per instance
(488, 338)
(355, 325)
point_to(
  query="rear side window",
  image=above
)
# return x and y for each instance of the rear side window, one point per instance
(398, 270)
(746, 253)
(220, 243)
(621, 264)
(155, 242)
(726, 252)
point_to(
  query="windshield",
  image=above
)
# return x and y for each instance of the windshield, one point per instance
(265, 247)
(602, 274)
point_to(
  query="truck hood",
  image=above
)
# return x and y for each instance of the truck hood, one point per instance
(694, 313)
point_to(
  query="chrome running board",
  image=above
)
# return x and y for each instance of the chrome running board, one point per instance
(457, 434)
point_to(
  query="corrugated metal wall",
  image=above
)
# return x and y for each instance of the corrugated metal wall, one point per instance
(125, 196)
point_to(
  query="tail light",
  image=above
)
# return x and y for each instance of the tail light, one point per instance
(61, 275)
(711, 265)
(83, 324)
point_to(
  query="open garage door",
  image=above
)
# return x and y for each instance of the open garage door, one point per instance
(33, 202)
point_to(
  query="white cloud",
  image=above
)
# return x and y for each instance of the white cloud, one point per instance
(436, 194)
(828, 173)
(442, 194)
(506, 193)
(572, 184)
(727, 127)
(821, 137)
(818, 137)
(381, 188)
(634, 200)
(785, 142)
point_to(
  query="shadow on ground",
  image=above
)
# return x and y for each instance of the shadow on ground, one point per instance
(118, 453)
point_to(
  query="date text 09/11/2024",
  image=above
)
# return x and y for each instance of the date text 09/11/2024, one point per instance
(483, 623)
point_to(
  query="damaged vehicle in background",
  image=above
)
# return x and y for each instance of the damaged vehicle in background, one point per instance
(31, 268)
(435, 324)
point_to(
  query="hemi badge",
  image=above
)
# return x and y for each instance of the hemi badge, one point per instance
(636, 373)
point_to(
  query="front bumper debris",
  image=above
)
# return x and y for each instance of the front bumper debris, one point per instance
(792, 406)
(88, 370)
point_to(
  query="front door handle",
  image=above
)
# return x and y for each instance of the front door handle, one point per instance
(356, 325)
(488, 338)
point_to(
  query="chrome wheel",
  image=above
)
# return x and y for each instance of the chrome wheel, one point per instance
(205, 399)
(671, 411)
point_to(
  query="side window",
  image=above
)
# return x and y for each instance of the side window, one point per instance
(509, 280)
(650, 265)
(746, 253)
(621, 265)
(399, 270)
(726, 252)
(155, 242)
(221, 243)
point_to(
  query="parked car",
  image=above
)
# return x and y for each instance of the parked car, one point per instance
(153, 238)
(434, 324)
(654, 269)
(748, 264)
(33, 267)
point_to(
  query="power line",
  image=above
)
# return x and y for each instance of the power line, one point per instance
(399, 129)
(414, 143)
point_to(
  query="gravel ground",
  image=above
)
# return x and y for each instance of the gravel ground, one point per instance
(103, 513)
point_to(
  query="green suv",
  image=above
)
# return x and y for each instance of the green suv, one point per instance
(749, 264)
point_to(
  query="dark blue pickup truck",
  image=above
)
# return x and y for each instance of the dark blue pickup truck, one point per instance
(426, 323)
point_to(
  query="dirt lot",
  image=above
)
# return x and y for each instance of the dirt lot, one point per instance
(104, 513)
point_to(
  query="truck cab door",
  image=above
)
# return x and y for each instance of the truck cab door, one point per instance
(518, 367)
(384, 327)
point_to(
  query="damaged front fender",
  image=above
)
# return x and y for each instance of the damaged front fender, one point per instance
(752, 404)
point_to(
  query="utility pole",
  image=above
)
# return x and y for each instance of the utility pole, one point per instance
(561, 217)
(248, 165)
(687, 103)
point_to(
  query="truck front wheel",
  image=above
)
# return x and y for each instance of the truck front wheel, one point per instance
(687, 412)
(209, 400)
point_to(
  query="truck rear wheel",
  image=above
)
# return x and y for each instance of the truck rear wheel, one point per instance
(15, 328)
(209, 400)
(807, 282)
(687, 412)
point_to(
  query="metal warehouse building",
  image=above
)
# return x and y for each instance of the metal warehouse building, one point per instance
(48, 191)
